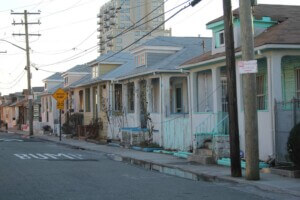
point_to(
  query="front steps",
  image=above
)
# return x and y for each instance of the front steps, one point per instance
(203, 155)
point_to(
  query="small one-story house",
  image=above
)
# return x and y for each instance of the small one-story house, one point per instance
(97, 92)
(49, 113)
(277, 50)
(153, 94)
(67, 81)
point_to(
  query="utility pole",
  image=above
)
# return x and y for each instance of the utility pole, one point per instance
(30, 96)
(231, 88)
(249, 93)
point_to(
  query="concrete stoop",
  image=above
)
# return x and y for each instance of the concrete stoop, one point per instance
(204, 155)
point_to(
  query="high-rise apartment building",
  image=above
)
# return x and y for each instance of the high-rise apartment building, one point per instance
(118, 15)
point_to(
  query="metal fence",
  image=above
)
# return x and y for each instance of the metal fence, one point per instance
(287, 115)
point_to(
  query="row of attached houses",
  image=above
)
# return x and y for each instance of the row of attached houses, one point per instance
(178, 87)
(14, 109)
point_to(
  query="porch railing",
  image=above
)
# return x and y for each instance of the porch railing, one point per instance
(213, 125)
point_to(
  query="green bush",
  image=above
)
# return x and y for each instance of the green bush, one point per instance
(293, 145)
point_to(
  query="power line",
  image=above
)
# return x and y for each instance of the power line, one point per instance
(18, 76)
(147, 33)
(17, 81)
(89, 50)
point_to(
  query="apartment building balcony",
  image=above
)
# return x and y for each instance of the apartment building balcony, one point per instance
(112, 22)
(99, 15)
(109, 44)
(106, 25)
(100, 22)
(106, 11)
(106, 18)
(109, 36)
(112, 7)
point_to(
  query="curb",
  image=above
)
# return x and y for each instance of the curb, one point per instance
(179, 171)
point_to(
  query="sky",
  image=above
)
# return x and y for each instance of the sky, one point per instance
(69, 28)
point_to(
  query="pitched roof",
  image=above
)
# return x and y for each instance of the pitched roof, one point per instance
(37, 89)
(81, 81)
(286, 31)
(191, 46)
(125, 59)
(56, 76)
(79, 68)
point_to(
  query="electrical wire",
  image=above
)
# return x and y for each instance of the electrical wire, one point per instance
(17, 81)
(91, 49)
(176, 13)
(8, 83)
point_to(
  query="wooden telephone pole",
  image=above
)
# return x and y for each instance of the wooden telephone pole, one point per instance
(249, 92)
(26, 34)
(231, 88)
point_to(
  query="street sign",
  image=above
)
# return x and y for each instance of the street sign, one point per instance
(60, 95)
(60, 104)
(247, 67)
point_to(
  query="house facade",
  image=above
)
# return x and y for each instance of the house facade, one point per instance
(277, 81)
(152, 93)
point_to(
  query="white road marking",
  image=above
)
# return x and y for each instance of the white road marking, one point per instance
(10, 140)
(47, 156)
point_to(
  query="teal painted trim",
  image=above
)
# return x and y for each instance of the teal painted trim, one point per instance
(203, 113)
(215, 24)
(263, 110)
(261, 24)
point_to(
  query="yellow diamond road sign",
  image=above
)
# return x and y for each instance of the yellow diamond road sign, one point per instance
(60, 95)
(60, 105)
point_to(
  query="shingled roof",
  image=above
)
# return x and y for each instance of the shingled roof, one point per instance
(286, 31)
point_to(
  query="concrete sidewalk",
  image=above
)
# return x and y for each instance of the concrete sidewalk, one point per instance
(181, 167)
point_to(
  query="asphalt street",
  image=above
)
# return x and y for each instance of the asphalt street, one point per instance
(33, 169)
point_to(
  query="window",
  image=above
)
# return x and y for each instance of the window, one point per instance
(95, 71)
(222, 38)
(66, 80)
(50, 104)
(178, 96)
(204, 91)
(87, 100)
(224, 94)
(80, 100)
(140, 60)
(118, 97)
(155, 95)
(45, 86)
(95, 101)
(131, 97)
(298, 83)
(260, 92)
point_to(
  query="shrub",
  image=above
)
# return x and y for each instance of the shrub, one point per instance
(47, 128)
(293, 145)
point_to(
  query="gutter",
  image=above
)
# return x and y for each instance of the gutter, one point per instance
(237, 54)
(151, 72)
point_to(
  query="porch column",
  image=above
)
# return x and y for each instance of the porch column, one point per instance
(165, 96)
(274, 75)
(91, 101)
(217, 90)
(125, 97)
(137, 104)
(193, 92)
(149, 95)
(98, 99)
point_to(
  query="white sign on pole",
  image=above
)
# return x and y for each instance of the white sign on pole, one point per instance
(247, 67)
